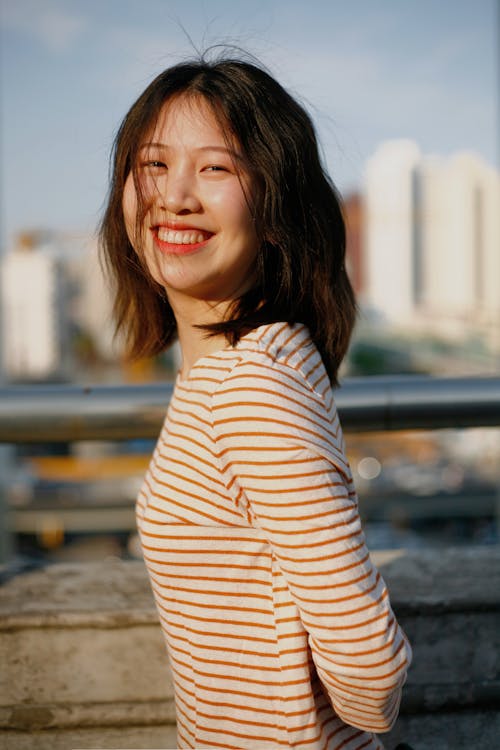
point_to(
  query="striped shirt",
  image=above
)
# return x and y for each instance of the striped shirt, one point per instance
(279, 629)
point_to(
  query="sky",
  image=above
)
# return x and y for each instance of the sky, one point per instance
(366, 70)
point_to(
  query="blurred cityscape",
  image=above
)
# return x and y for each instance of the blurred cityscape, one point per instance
(424, 257)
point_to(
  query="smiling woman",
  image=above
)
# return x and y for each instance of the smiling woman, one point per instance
(223, 230)
(195, 230)
(274, 158)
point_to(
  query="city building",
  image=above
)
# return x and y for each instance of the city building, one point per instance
(91, 308)
(432, 242)
(389, 231)
(55, 307)
(33, 292)
(355, 261)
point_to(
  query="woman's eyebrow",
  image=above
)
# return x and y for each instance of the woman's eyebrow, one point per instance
(152, 144)
(222, 149)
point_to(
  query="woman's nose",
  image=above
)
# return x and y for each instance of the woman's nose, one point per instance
(178, 194)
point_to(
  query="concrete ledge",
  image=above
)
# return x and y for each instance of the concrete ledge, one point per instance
(133, 738)
(467, 730)
(477, 731)
(53, 715)
(452, 579)
(84, 663)
(81, 642)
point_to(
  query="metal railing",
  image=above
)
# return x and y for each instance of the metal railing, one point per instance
(60, 413)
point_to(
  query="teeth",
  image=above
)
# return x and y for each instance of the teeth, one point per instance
(180, 237)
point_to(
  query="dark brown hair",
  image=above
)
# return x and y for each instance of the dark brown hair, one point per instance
(301, 276)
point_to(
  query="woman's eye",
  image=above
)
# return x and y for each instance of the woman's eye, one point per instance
(215, 168)
(154, 164)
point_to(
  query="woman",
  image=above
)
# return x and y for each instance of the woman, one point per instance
(222, 230)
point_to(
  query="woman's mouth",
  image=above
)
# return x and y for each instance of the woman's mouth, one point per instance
(179, 241)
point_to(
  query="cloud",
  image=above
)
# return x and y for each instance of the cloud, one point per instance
(54, 26)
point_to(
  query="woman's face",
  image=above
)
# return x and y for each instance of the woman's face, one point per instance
(197, 235)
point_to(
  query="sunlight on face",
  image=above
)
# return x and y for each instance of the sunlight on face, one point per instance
(198, 235)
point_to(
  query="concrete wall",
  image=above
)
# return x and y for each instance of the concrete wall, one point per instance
(83, 664)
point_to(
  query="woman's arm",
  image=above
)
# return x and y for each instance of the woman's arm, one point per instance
(274, 454)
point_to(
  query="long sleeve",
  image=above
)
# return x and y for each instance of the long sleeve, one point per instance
(280, 450)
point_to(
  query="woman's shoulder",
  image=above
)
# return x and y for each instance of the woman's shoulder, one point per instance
(283, 354)
(278, 390)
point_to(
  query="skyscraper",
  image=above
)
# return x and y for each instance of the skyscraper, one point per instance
(433, 241)
(34, 327)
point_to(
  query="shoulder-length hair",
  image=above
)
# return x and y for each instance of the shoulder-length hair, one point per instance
(300, 274)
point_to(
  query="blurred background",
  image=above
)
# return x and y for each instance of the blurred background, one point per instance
(404, 96)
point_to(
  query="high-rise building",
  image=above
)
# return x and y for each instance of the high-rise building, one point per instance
(34, 328)
(54, 302)
(391, 246)
(432, 229)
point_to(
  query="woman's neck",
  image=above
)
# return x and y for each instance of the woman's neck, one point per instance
(194, 342)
